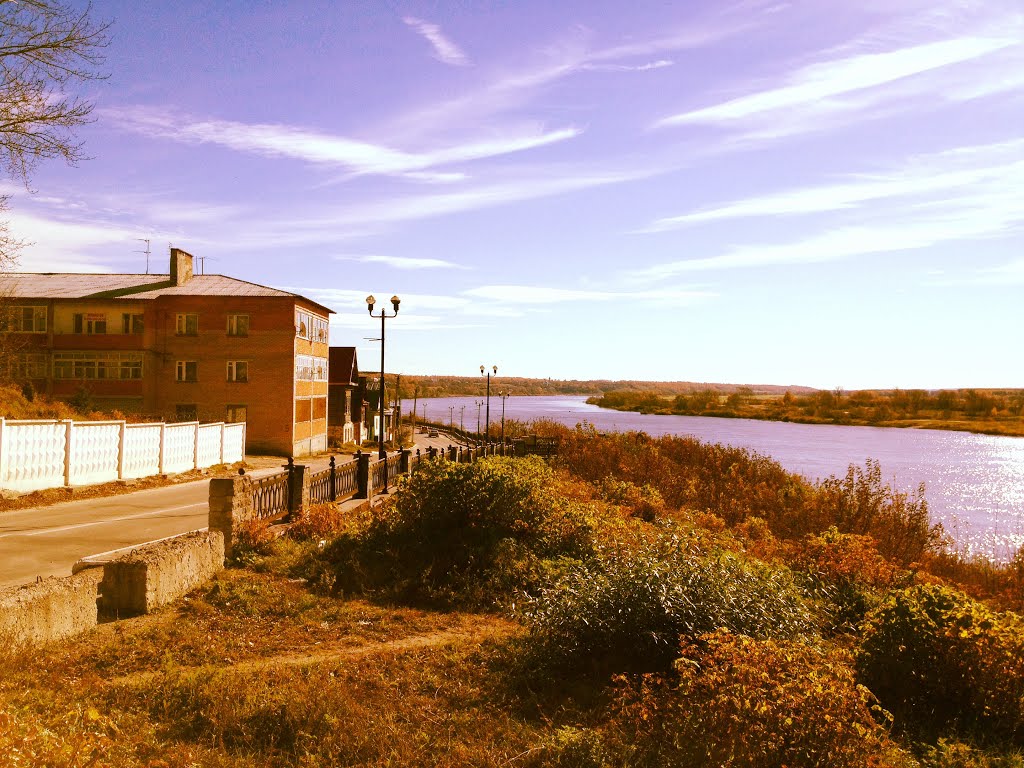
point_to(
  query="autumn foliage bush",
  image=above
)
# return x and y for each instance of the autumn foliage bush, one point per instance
(736, 484)
(748, 703)
(625, 609)
(466, 534)
(939, 660)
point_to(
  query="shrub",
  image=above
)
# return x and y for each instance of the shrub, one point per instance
(467, 534)
(625, 610)
(938, 659)
(741, 702)
(848, 570)
(319, 522)
(640, 501)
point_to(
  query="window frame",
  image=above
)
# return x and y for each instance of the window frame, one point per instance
(182, 324)
(233, 323)
(233, 369)
(181, 371)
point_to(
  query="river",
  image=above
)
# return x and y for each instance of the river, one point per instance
(974, 484)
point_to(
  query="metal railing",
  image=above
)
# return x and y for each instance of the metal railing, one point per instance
(270, 496)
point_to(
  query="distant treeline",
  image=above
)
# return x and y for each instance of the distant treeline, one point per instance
(469, 386)
(994, 411)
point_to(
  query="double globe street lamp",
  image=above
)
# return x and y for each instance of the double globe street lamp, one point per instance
(381, 453)
(487, 422)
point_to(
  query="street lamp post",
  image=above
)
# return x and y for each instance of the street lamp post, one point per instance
(478, 403)
(451, 417)
(462, 418)
(381, 453)
(483, 370)
(504, 397)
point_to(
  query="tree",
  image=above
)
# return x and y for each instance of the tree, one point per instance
(46, 49)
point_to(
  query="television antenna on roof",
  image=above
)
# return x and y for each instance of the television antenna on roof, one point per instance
(202, 263)
(146, 241)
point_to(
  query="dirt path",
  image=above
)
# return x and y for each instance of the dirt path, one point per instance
(488, 628)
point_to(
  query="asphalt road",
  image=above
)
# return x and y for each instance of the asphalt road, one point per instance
(47, 541)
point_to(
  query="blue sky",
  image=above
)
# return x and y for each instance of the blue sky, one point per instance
(812, 192)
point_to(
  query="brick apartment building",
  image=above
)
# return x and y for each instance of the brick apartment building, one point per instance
(177, 347)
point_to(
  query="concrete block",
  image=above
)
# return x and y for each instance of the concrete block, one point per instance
(49, 610)
(158, 573)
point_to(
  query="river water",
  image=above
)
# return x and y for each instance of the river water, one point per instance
(974, 484)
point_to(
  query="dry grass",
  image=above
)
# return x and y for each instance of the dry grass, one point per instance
(256, 670)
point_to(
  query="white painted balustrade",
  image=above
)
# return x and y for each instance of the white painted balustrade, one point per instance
(49, 454)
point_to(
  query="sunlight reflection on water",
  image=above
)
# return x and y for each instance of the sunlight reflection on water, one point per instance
(974, 484)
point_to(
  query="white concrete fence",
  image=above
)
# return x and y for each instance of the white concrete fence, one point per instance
(50, 454)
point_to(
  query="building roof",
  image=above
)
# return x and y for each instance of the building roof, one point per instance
(72, 285)
(342, 367)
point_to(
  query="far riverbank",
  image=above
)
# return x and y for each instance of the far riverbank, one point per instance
(983, 412)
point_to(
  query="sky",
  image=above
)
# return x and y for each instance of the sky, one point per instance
(814, 192)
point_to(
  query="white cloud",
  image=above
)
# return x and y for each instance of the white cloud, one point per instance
(276, 140)
(543, 295)
(979, 167)
(809, 86)
(444, 49)
(401, 262)
(659, 64)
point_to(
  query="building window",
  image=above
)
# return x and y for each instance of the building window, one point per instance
(186, 370)
(97, 365)
(187, 412)
(90, 323)
(308, 326)
(238, 325)
(187, 324)
(234, 414)
(131, 323)
(238, 370)
(24, 319)
(27, 365)
(310, 368)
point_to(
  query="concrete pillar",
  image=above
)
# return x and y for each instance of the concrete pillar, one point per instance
(230, 505)
(362, 475)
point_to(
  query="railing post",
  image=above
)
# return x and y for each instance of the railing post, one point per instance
(298, 487)
(403, 461)
(431, 452)
(68, 453)
(334, 481)
(362, 475)
(163, 440)
(453, 453)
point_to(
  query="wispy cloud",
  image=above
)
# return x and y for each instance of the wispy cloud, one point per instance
(659, 64)
(444, 49)
(401, 262)
(812, 86)
(538, 295)
(977, 167)
(360, 157)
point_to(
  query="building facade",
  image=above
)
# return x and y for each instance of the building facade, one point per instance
(176, 347)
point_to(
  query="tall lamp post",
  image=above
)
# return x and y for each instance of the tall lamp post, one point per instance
(478, 404)
(381, 453)
(504, 397)
(483, 370)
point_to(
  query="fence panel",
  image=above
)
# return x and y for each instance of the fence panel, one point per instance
(208, 445)
(320, 487)
(94, 452)
(234, 443)
(270, 496)
(141, 450)
(33, 455)
(347, 480)
(180, 447)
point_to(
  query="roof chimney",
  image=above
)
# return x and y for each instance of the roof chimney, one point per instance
(181, 266)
